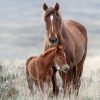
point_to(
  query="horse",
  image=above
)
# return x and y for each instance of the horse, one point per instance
(73, 37)
(39, 68)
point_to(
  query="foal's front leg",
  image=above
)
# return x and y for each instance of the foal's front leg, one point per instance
(41, 85)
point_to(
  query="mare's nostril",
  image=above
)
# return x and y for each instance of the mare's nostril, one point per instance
(53, 40)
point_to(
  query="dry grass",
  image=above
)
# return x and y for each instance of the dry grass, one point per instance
(13, 85)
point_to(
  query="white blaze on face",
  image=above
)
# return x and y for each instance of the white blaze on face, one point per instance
(51, 18)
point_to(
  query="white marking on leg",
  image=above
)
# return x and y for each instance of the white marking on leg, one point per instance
(51, 18)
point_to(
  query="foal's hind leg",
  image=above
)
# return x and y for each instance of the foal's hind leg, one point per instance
(30, 84)
(29, 78)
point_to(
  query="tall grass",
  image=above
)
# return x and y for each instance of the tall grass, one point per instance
(13, 84)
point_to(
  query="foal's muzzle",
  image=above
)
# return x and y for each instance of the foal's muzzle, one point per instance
(53, 41)
(65, 68)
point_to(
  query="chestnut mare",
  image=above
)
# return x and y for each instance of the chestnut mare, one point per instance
(38, 69)
(73, 37)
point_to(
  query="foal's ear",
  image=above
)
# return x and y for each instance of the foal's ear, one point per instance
(45, 7)
(61, 47)
(56, 6)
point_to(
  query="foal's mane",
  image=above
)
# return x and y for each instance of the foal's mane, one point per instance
(49, 50)
(56, 48)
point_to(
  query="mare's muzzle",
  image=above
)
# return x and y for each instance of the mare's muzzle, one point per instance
(53, 41)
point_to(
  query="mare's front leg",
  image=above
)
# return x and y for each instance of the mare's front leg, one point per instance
(54, 82)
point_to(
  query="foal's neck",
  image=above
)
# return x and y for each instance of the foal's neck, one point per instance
(48, 60)
(50, 57)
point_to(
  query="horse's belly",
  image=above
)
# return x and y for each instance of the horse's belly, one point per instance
(79, 52)
(78, 40)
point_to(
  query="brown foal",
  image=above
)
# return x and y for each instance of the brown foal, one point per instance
(39, 69)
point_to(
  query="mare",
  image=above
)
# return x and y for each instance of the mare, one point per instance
(73, 37)
(38, 69)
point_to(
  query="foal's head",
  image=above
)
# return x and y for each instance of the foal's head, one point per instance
(53, 20)
(60, 59)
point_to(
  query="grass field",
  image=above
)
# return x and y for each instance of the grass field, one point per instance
(13, 85)
(22, 35)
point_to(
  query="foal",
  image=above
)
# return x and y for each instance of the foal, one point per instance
(38, 69)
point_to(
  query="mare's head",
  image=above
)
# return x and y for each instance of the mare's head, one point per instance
(60, 59)
(53, 21)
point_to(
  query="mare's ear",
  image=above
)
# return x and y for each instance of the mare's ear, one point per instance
(56, 6)
(45, 7)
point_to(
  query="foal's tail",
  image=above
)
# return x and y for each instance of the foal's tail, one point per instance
(28, 60)
(27, 63)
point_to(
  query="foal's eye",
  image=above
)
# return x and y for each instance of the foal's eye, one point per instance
(60, 58)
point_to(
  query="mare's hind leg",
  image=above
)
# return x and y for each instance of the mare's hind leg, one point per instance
(76, 80)
(54, 82)
(79, 70)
